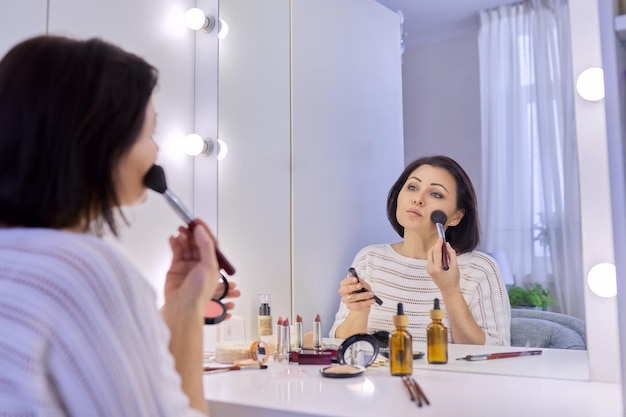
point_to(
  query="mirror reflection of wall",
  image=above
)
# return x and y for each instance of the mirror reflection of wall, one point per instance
(314, 127)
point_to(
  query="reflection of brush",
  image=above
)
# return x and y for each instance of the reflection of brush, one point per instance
(439, 218)
(155, 180)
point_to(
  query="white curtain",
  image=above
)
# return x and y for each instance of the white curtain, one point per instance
(531, 194)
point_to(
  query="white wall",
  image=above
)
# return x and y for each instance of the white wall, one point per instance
(254, 179)
(347, 142)
(314, 122)
(441, 98)
(20, 20)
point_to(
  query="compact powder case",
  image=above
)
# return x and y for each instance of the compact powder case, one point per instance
(342, 371)
(355, 354)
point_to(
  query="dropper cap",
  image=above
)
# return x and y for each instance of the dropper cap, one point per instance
(436, 313)
(400, 320)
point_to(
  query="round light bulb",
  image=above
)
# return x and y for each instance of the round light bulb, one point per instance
(602, 280)
(195, 18)
(590, 84)
(222, 149)
(193, 144)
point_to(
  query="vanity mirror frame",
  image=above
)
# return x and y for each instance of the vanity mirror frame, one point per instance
(602, 363)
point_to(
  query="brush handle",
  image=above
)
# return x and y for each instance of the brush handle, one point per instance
(444, 249)
(221, 259)
(178, 206)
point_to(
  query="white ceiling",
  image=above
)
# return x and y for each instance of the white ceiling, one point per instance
(428, 21)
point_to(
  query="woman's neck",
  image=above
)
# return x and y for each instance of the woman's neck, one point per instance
(414, 246)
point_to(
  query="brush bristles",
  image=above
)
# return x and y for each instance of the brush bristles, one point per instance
(438, 216)
(155, 179)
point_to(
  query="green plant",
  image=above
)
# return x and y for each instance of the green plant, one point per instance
(533, 296)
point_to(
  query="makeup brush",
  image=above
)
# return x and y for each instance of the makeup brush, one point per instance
(439, 218)
(155, 180)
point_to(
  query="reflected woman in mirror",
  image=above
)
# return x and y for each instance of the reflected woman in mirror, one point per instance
(80, 331)
(472, 292)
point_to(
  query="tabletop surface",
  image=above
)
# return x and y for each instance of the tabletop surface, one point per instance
(551, 384)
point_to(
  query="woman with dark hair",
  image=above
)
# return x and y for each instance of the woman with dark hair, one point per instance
(80, 333)
(472, 292)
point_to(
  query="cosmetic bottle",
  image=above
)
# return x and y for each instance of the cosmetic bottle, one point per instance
(265, 315)
(400, 346)
(437, 336)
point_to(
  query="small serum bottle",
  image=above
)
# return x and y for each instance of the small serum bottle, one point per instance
(437, 336)
(265, 315)
(400, 346)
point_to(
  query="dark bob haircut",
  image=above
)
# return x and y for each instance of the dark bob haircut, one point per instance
(69, 111)
(463, 237)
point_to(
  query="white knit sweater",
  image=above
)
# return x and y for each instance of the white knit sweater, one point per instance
(80, 332)
(395, 278)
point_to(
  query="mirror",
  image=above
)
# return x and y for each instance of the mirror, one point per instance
(358, 350)
(294, 247)
(304, 184)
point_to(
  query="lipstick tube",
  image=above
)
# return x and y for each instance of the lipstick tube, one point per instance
(317, 333)
(285, 351)
(298, 333)
(279, 338)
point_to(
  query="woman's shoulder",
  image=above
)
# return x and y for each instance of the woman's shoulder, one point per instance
(475, 257)
(385, 254)
(66, 260)
(377, 248)
(382, 250)
(479, 262)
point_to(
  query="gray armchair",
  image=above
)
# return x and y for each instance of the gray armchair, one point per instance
(545, 329)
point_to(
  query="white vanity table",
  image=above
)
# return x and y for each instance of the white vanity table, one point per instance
(501, 387)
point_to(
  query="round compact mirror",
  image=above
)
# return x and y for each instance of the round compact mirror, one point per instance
(358, 350)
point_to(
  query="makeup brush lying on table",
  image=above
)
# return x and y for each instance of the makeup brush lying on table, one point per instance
(155, 180)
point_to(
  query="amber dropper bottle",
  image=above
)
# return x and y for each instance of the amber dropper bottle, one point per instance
(437, 336)
(401, 346)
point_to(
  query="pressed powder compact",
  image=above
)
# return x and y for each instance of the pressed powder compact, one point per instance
(355, 354)
(342, 371)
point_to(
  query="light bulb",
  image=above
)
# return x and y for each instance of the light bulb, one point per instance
(195, 18)
(193, 144)
(602, 280)
(590, 84)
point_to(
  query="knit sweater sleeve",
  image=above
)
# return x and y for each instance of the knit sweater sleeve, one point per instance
(485, 293)
(80, 333)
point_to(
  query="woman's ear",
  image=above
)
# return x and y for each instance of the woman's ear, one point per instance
(456, 219)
